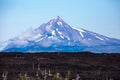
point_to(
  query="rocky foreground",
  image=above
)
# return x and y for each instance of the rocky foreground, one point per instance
(59, 66)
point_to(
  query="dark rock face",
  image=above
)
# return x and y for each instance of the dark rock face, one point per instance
(88, 65)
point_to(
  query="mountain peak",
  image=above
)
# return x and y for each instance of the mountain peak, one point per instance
(57, 20)
(58, 17)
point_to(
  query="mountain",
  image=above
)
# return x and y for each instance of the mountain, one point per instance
(57, 36)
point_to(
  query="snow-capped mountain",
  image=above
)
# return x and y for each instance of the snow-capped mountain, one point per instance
(58, 36)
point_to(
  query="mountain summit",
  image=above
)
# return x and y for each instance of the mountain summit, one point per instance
(57, 36)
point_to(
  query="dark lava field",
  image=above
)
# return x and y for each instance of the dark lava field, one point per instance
(59, 66)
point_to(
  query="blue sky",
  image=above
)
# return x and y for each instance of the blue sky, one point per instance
(100, 16)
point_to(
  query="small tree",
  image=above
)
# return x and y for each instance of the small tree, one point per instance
(4, 75)
(69, 74)
(39, 66)
(33, 66)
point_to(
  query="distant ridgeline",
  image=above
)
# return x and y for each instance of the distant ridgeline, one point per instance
(85, 52)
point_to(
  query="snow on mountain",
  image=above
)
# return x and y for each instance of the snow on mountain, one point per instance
(57, 35)
(3, 44)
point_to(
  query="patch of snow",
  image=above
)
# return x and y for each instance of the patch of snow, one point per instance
(53, 32)
(62, 36)
(57, 29)
(51, 22)
(68, 38)
(3, 44)
(99, 38)
(37, 36)
(103, 37)
(50, 37)
(81, 34)
(39, 40)
(59, 32)
(48, 28)
(59, 23)
(78, 29)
